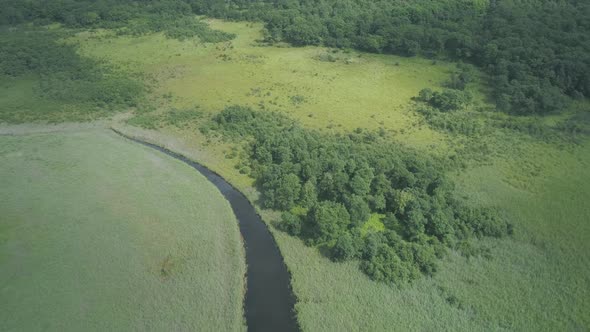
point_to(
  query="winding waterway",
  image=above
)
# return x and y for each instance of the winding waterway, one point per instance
(269, 302)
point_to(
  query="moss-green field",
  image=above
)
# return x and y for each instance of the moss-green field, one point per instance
(101, 234)
(536, 280)
(356, 90)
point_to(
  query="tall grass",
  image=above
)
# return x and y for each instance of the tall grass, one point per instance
(537, 280)
(98, 233)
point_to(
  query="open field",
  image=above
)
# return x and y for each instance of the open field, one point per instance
(355, 90)
(98, 233)
(19, 101)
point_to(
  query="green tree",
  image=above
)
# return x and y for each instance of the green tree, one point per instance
(309, 196)
(326, 221)
(358, 209)
(344, 248)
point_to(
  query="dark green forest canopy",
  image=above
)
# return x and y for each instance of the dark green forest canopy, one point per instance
(328, 187)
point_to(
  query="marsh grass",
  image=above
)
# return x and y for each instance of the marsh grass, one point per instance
(537, 280)
(370, 92)
(98, 233)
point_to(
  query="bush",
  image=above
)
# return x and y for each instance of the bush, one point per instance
(446, 101)
(386, 266)
(290, 223)
(326, 221)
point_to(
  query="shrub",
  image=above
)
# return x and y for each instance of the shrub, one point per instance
(446, 101)
(290, 223)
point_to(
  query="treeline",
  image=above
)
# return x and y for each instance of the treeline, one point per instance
(536, 52)
(62, 74)
(328, 187)
(88, 13)
(173, 17)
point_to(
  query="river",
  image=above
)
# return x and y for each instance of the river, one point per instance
(269, 302)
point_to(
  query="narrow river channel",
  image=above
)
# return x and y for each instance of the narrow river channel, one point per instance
(269, 302)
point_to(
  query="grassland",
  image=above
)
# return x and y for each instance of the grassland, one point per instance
(98, 233)
(355, 90)
(19, 100)
(537, 280)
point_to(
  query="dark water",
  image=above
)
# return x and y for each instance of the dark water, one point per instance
(269, 302)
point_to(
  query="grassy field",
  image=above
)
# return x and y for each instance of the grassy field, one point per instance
(98, 233)
(20, 101)
(536, 280)
(355, 90)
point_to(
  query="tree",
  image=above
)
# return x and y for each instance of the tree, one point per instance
(305, 31)
(372, 244)
(290, 223)
(344, 248)
(287, 192)
(326, 221)
(386, 266)
(309, 196)
(358, 209)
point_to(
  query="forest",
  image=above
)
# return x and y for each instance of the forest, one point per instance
(331, 188)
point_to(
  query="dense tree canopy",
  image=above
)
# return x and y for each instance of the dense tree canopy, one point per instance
(329, 187)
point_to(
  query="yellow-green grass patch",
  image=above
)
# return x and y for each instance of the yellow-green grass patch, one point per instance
(356, 90)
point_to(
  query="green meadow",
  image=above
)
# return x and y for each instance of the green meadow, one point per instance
(535, 280)
(101, 234)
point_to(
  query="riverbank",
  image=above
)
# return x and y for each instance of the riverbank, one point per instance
(269, 301)
(333, 295)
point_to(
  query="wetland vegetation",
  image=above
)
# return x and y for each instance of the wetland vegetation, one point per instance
(98, 233)
(421, 165)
